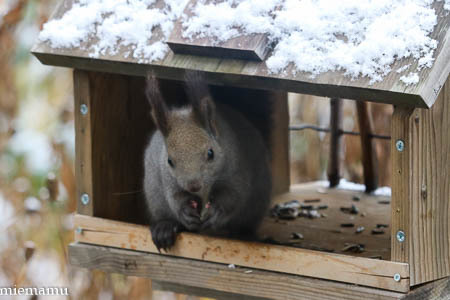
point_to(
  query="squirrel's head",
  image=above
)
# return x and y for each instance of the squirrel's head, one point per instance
(194, 156)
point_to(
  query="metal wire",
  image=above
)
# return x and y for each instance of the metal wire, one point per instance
(321, 129)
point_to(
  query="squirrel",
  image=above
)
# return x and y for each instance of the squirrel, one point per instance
(206, 167)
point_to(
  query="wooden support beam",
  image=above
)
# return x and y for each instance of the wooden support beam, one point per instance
(83, 142)
(280, 144)
(368, 150)
(219, 277)
(336, 150)
(421, 188)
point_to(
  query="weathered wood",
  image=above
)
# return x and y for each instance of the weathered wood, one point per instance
(280, 144)
(83, 144)
(437, 290)
(368, 150)
(343, 268)
(326, 233)
(421, 189)
(336, 146)
(255, 75)
(218, 277)
(120, 128)
(251, 47)
(200, 292)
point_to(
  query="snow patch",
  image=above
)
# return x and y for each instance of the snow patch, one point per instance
(410, 79)
(115, 24)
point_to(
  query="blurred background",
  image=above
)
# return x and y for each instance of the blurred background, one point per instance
(37, 185)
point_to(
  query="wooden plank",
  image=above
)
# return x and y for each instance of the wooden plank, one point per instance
(83, 145)
(218, 277)
(256, 75)
(368, 150)
(421, 189)
(120, 128)
(250, 47)
(437, 290)
(200, 292)
(336, 146)
(363, 271)
(326, 233)
(280, 144)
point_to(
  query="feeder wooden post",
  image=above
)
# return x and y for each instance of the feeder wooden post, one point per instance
(421, 189)
(368, 150)
(336, 120)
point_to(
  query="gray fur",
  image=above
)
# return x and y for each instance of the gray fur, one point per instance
(236, 182)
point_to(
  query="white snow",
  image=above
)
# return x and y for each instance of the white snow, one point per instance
(409, 79)
(344, 184)
(362, 38)
(113, 23)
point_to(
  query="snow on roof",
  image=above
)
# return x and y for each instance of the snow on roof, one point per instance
(362, 38)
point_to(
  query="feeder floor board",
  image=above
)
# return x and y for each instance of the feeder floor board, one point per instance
(326, 233)
(212, 280)
(346, 267)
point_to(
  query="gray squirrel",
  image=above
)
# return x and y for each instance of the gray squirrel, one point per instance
(206, 167)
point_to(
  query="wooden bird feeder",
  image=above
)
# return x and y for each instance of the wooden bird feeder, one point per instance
(113, 124)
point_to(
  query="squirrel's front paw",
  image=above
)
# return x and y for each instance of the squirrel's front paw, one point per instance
(164, 234)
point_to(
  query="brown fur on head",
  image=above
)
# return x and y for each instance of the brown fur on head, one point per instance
(194, 156)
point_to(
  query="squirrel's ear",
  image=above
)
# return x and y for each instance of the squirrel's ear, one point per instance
(201, 101)
(158, 107)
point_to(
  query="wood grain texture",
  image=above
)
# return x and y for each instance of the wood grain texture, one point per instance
(83, 141)
(225, 71)
(421, 189)
(207, 275)
(368, 149)
(436, 290)
(343, 268)
(250, 47)
(336, 154)
(120, 128)
(280, 144)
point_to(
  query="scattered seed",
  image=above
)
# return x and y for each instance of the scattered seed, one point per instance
(288, 213)
(376, 257)
(377, 231)
(322, 207)
(324, 215)
(313, 214)
(347, 225)
(384, 202)
(311, 200)
(355, 248)
(356, 198)
(360, 229)
(382, 225)
(318, 248)
(297, 236)
(350, 210)
(303, 206)
(248, 271)
(363, 214)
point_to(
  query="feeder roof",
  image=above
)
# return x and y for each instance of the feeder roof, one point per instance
(254, 74)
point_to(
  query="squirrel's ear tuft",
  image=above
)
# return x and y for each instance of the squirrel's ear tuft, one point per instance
(201, 101)
(158, 107)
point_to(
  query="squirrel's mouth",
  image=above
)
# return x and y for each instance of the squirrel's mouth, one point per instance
(197, 204)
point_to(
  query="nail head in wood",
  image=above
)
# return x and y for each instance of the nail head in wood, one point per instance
(79, 230)
(401, 236)
(397, 277)
(83, 109)
(85, 199)
(400, 145)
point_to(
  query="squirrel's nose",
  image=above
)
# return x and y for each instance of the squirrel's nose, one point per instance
(194, 186)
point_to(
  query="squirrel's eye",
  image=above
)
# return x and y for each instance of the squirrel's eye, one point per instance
(170, 162)
(210, 154)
